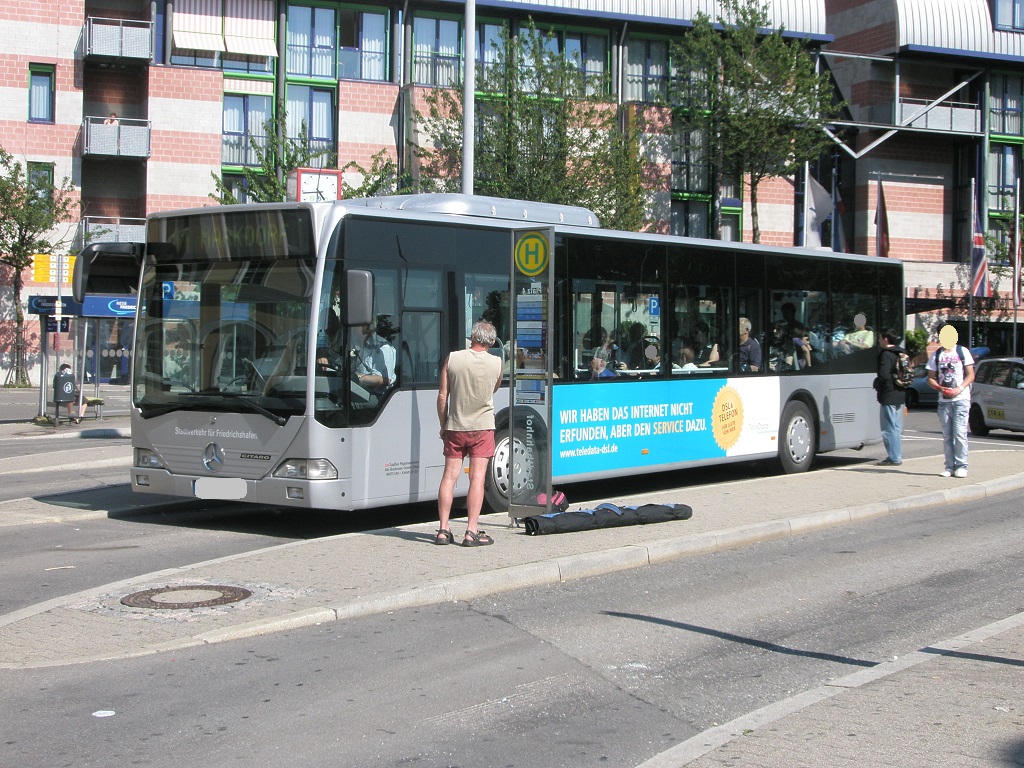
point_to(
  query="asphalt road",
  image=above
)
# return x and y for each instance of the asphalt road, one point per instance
(605, 671)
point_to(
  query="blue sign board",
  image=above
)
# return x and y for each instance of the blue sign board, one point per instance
(110, 306)
(44, 305)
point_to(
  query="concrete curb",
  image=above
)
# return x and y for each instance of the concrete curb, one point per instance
(537, 574)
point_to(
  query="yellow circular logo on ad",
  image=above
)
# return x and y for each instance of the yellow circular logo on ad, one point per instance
(727, 418)
(532, 253)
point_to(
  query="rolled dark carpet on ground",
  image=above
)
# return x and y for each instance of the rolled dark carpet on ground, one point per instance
(605, 516)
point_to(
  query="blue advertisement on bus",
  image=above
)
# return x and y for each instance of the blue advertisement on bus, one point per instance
(607, 427)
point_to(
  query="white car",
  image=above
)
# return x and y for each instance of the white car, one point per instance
(997, 395)
(919, 393)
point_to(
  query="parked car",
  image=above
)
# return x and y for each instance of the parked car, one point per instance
(997, 395)
(919, 393)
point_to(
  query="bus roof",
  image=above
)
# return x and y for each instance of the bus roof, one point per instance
(482, 207)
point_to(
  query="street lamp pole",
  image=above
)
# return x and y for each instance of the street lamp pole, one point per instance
(468, 95)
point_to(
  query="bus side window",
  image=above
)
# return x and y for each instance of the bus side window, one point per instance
(419, 358)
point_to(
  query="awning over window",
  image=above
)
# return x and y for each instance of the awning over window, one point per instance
(249, 27)
(197, 25)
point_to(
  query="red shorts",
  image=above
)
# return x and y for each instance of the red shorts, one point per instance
(478, 444)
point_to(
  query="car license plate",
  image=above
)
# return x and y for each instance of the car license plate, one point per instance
(225, 488)
(996, 413)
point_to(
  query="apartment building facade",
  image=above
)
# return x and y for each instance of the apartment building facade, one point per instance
(142, 103)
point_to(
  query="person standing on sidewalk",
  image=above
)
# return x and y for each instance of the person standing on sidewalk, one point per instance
(465, 409)
(893, 401)
(950, 373)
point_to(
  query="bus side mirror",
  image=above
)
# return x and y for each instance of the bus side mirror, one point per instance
(359, 306)
(106, 268)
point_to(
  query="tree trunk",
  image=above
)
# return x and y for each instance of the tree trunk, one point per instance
(755, 225)
(20, 362)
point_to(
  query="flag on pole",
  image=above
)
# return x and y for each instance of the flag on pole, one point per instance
(979, 259)
(819, 208)
(881, 224)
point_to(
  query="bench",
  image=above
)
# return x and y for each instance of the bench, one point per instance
(96, 403)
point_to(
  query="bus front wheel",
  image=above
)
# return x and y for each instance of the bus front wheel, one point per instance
(511, 467)
(796, 438)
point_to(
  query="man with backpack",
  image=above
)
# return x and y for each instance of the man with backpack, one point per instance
(890, 386)
(950, 372)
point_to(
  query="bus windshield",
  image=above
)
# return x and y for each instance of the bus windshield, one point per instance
(228, 333)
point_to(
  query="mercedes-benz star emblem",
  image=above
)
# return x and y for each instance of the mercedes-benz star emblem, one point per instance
(213, 457)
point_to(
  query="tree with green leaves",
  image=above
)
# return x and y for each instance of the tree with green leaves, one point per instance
(758, 98)
(31, 208)
(276, 156)
(381, 178)
(544, 132)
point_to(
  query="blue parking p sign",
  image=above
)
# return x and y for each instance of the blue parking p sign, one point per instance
(653, 306)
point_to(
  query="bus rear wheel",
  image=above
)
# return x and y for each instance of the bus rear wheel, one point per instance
(512, 466)
(797, 443)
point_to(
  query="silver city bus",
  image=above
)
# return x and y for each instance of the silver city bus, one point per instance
(289, 354)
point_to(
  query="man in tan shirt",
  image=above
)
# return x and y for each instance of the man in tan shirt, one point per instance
(465, 410)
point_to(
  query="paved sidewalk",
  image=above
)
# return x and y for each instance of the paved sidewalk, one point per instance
(923, 705)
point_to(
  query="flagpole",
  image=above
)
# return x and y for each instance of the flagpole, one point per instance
(878, 218)
(835, 212)
(1015, 261)
(970, 270)
(807, 197)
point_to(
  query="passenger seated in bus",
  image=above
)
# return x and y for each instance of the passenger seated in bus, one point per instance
(606, 349)
(600, 370)
(686, 360)
(781, 348)
(860, 338)
(375, 361)
(749, 359)
(635, 359)
(804, 356)
(706, 350)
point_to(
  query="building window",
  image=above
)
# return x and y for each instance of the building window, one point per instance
(363, 45)
(312, 41)
(40, 93)
(587, 52)
(245, 121)
(236, 186)
(689, 218)
(311, 112)
(1006, 93)
(1009, 14)
(40, 179)
(690, 166)
(489, 43)
(436, 51)
(646, 71)
(1003, 170)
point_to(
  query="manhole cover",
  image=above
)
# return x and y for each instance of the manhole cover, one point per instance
(188, 596)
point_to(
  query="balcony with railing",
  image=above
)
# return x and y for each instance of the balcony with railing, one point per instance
(105, 229)
(239, 149)
(118, 138)
(118, 39)
(356, 64)
(945, 117)
(442, 70)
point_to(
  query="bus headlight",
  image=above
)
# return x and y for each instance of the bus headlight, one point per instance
(306, 469)
(148, 459)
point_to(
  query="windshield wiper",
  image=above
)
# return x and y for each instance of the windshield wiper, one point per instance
(152, 411)
(254, 407)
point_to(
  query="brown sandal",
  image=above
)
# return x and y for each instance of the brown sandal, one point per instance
(477, 539)
(444, 536)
